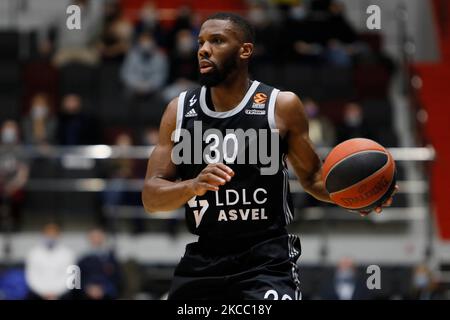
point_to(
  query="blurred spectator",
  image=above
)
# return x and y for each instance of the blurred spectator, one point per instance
(320, 6)
(145, 69)
(150, 136)
(118, 171)
(78, 45)
(74, 127)
(184, 20)
(341, 36)
(266, 34)
(175, 88)
(346, 284)
(305, 38)
(117, 33)
(372, 53)
(324, 35)
(101, 273)
(46, 266)
(14, 172)
(122, 168)
(183, 65)
(39, 126)
(148, 22)
(321, 130)
(297, 10)
(183, 60)
(354, 124)
(339, 28)
(424, 285)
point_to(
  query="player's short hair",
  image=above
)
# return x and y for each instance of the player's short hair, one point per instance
(244, 26)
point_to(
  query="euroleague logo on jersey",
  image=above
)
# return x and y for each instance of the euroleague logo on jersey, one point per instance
(259, 100)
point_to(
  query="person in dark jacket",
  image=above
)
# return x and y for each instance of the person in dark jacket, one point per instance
(101, 275)
(345, 284)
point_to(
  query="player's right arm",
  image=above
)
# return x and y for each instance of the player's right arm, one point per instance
(162, 191)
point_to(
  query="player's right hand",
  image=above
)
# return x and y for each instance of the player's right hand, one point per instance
(211, 177)
(387, 203)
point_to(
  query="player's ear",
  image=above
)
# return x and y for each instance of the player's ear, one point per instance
(246, 50)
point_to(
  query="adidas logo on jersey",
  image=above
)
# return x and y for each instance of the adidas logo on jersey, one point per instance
(191, 113)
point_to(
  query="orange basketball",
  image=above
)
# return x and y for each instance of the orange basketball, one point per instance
(359, 174)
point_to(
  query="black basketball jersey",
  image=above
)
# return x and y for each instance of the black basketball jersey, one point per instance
(257, 201)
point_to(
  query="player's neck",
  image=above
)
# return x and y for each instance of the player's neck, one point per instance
(228, 94)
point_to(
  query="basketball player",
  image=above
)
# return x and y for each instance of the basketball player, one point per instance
(238, 210)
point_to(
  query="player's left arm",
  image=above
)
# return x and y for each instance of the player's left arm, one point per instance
(291, 120)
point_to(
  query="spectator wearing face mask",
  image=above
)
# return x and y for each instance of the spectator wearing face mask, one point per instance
(46, 266)
(345, 284)
(354, 124)
(116, 34)
(183, 65)
(424, 285)
(266, 35)
(119, 172)
(183, 60)
(184, 20)
(321, 130)
(145, 69)
(101, 272)
(14, 172)
(150, 136)
(148, 21)
(74, 126)
(340, 36)
(39, 126)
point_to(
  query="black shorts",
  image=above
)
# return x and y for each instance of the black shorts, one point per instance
(267, 270)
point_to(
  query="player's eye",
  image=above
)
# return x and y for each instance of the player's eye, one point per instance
(217, 41)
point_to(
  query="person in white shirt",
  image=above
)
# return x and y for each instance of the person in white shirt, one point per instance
(47, 264)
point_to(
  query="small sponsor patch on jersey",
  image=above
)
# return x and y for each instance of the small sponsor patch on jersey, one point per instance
(258, 106)
(258, 112)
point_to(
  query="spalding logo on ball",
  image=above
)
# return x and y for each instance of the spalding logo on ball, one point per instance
(359, 174)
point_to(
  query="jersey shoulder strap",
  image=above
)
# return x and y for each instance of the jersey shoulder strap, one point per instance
(265, 97)
(186, 107)
(192, 99)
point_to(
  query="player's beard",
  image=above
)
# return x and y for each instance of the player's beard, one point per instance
(217, 75)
